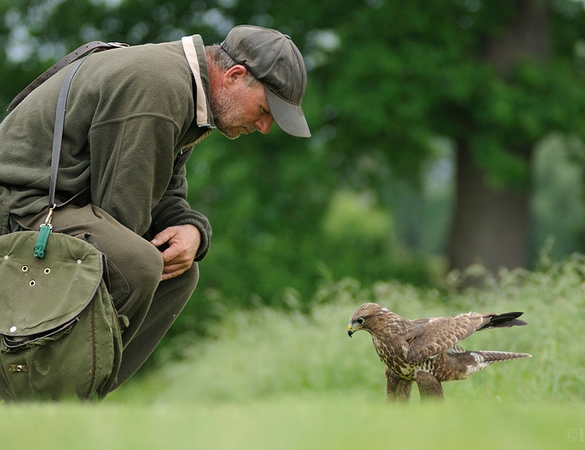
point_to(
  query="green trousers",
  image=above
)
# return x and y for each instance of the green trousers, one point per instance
(134, 269)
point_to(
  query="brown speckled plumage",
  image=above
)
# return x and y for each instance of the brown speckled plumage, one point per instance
(425, 351)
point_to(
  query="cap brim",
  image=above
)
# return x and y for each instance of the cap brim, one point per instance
(289, 117)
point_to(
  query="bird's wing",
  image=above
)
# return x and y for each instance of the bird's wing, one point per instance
(429, 337)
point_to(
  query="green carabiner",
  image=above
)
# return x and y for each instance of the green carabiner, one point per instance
(43, 237)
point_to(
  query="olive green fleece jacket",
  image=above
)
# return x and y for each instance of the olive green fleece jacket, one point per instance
(129, 130)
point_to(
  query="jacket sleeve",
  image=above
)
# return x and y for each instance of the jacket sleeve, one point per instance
(137, 181)
(142, 108)
(173, 209)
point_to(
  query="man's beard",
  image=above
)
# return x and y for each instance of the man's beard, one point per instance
(226, 112)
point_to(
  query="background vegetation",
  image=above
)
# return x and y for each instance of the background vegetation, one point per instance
(431, 120)
(264, 353)
(445, 133)
(268, 379)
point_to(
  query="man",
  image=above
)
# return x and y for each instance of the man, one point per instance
(133, 116)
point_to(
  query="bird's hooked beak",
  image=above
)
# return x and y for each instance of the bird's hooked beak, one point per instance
(351, 330)
(355, 325)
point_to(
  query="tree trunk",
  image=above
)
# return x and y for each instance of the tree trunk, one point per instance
(491, 226)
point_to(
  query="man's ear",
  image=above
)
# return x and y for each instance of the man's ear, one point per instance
(234, 74)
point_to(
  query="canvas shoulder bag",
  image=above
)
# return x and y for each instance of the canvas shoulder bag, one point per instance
(59, 331)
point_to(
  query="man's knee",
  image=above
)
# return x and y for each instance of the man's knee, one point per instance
(137, 270)
(192, 278)
(134, 265)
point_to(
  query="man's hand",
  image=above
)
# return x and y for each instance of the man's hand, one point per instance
(183, 242)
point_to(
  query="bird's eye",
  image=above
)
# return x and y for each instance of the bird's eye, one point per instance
(360, 321)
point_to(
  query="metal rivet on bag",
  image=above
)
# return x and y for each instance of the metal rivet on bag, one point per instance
(79, 261)
(6, 256)
(13, 329)
(47, 271)
(32, 283)
(18, 368)
(25, 268)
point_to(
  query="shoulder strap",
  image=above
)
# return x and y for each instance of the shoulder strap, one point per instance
(45, 229)
(58, 130)
(90, 47)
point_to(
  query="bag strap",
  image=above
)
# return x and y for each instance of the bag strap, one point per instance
(94, 46)
(58, 130)
(72, 58)
(45, 230)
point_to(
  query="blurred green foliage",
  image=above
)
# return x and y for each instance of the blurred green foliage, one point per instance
(267, 379)
(265, 353)
(559, 200)
(386, 80)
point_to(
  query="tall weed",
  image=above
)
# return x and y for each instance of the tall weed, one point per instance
(267, 353)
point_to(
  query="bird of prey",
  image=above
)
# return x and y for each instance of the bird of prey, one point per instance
(425, 351)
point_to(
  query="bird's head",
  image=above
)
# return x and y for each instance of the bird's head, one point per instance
(365, 318)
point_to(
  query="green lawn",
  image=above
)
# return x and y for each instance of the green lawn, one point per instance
(274, 380)
(294, 422)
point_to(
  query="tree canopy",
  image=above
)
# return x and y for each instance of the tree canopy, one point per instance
(386, 79)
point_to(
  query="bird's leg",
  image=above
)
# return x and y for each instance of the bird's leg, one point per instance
(397, 389)
(429, 386)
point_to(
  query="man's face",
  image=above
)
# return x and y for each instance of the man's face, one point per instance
(239, 108)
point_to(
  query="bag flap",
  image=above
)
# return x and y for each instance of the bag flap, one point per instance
(39, 295)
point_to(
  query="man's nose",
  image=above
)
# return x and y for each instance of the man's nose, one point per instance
(264, 123)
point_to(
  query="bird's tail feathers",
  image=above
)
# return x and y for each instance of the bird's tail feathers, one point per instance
(504, 320)
(489, 356)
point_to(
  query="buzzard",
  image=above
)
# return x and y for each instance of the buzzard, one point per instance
(425, 350)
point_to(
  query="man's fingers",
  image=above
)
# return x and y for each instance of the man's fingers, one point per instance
(182, 242)
(170, 254)
(173, 271)
(161, 238)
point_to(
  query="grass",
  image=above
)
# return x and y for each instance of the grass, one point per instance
(263, 353)
(293, 422)
(275, 380)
